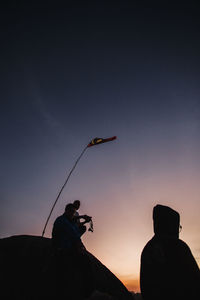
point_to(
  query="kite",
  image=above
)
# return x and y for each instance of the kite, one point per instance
(97, 141)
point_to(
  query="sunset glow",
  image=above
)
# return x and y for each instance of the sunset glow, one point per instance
(101, 71)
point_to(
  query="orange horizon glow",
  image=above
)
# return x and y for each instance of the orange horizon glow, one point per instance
(133, 285)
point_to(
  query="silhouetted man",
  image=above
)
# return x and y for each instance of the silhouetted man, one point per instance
(168, 268)
(71, 262)
(66, 234)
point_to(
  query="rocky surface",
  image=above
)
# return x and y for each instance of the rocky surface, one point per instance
(30, 271)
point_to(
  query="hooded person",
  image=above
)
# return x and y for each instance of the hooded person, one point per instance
(168, 269)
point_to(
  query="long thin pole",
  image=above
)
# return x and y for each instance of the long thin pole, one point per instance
(62, 189)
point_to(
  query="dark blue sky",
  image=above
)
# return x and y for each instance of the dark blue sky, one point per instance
(71, 74)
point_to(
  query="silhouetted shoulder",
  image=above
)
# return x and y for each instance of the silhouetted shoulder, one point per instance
(188, 261)
(153, 253)
(183, 246)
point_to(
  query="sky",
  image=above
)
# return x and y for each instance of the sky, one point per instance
(70, 74)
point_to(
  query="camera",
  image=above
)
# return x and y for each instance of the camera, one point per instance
(87, 218)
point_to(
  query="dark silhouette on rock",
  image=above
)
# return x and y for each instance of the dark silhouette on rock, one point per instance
(30, 271)
(168, 268)
(66, 234)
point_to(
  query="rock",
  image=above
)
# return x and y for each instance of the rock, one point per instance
(31, 271)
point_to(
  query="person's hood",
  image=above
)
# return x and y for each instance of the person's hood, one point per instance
(166, 221)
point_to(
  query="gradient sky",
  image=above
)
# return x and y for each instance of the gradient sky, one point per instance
(98, 70)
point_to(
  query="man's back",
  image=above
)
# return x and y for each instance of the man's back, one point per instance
(65, 234)
(169, 270)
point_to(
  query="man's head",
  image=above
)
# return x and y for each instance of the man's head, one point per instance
(77, 204)
(166, 221)
(70, 211)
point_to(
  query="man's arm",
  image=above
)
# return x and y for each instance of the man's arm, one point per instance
(85, 217)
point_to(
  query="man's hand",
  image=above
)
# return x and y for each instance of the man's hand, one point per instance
(87, 218)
